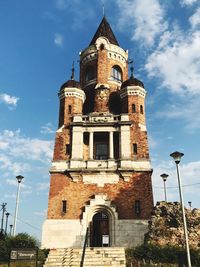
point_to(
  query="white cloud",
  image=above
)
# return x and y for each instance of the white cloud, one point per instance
(144, 18)
(58, 40)
(46, 129)
(9, 100)
(187, 2)
(177, 63)
(26, 148)
(195, 19)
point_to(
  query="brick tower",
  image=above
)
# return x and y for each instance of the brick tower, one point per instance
(101, 172)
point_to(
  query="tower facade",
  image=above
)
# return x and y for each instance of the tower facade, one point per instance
(101, 172)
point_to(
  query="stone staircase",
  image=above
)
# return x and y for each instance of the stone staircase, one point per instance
(94, 257)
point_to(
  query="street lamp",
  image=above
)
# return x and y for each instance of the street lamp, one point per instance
(177, 158)
(19, 179)
(164, 177)
(7, 214)
(3, 212)
(190, 205)
(11, 226)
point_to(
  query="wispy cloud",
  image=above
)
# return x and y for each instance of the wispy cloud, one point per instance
(195, 19)
(58, 40)
(46, 129)
(145, 19)
(11, 101)
(18, 146)
(187, 2)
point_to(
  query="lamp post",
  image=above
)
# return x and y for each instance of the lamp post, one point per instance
(164, 177)
(3, 212)
(190, 205)
(19, 179)
(7, 214)
(11, 226)
(177, 158)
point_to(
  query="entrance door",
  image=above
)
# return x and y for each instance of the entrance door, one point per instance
(99, 230)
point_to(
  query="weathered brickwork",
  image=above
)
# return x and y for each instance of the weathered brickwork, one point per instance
(123, 196)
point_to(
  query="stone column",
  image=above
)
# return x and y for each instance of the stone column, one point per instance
(91, 144)
(77, 143)
(125, 148)
(111, 147)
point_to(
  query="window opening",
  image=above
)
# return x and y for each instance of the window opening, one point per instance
(137, 207)
(116, 73)
(134, 149)
(141, 109)
(89, 74)
(64, 206)
(133, 108)
(101, 146)
(70, 109)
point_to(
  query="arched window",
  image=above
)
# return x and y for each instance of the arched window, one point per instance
(89, 73)
(116, 73)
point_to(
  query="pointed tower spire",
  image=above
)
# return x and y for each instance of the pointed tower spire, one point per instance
(105, 30)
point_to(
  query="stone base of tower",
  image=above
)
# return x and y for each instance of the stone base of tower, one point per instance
(71, 233)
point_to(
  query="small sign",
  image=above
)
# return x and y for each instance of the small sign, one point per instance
(23, 254)
(105, 239)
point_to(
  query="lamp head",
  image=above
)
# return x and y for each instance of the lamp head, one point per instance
(164, 176)
(177, 156)
(19, 178)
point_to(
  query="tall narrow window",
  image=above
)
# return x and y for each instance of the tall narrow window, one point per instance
(68, 149)
(134, 149)
(64, 206)
(70, 109)
(141, 109)
(116, 73)
(133, 108)
(137, 207)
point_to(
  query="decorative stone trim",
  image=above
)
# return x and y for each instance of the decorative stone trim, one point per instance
(72, 92)
(132, 90)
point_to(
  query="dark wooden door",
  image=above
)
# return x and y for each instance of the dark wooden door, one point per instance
(98, 229)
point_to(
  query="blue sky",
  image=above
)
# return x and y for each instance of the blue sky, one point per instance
(39, 42)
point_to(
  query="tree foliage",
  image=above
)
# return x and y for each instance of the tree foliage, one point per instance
(162, 254)
(22, 240)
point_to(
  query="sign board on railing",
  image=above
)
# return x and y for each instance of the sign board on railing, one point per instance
(105, 240)
(23, 254)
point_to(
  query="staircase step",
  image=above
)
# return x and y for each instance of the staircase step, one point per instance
(94, 257)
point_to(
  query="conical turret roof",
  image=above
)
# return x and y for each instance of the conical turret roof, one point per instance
(105, 30)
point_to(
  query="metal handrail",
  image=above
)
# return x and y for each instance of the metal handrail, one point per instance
(84, 247)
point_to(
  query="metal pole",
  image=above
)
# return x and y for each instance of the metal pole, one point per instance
(11, 226)
(16, 209)
(7, 214)
(184, 218)
(2, 219)
(165, 191)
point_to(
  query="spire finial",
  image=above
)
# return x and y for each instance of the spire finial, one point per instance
(132, 67)
(72, 76)
(103, 7)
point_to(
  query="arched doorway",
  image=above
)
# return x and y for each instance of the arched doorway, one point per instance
(99, 230)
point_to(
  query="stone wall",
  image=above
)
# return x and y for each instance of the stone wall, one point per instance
(166, 225)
